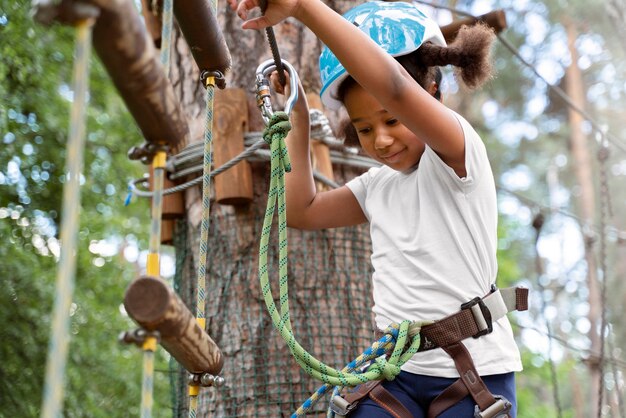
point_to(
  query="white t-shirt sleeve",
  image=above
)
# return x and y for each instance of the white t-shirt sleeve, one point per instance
(358, 186)
(476, 160)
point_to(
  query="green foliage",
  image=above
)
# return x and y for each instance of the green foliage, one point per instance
(103, 378)
(536, 388)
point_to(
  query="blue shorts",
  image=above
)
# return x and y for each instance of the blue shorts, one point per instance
(416, 392)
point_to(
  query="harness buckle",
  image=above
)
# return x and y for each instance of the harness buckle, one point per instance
(482, 316)
(340, 406)
(499, 409)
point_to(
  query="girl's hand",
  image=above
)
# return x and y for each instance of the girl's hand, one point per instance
(277, 10)
(301, 104)
(277, 87)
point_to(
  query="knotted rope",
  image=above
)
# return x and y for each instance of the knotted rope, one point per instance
(400, 341)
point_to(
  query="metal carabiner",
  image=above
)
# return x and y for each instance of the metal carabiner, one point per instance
(263, 96)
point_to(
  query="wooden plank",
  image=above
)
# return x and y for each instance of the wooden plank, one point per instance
(233, 186)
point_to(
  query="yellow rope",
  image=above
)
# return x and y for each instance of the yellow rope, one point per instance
(59, 341)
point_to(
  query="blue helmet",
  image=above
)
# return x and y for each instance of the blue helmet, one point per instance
(398, 27)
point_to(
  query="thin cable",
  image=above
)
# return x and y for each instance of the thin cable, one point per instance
(605, 209)
(530, 202)
(538, 223)
(59, 341)
(566, 344)
(620, 401)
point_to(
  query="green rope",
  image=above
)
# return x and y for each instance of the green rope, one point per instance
(59, 340)
(387, 368)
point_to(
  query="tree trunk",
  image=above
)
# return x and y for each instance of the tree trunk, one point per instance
(329, 271)
(583, 169)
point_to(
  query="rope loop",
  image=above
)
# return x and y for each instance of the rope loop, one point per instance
(387, 369)
(274, 135)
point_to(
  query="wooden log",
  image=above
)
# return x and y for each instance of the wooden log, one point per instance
(233, 186)
(320, 153)
(131, 60)
(202, 32)
(153, 305)
(495, 19)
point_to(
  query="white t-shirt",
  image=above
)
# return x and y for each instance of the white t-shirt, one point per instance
(434, 241)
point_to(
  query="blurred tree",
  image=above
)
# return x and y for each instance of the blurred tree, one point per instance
(102, 377)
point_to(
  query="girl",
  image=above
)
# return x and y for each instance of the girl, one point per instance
(431, 205)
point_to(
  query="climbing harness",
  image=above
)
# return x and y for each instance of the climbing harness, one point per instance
(475, 319)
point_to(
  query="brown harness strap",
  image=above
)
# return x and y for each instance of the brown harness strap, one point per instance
(375, 390)
(448, 398)
(390, 403)
(469, 376)
(463, 324)
(361, 391)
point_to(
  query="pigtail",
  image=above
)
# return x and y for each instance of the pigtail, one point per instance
(469, 52)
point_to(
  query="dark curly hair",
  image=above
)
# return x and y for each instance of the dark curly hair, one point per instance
(469, 53)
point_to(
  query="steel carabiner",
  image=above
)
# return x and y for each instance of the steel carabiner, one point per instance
(263, 96)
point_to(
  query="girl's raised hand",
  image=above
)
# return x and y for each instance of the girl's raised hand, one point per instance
(277, 10)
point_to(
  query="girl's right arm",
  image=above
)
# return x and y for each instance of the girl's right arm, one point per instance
(375, 70)
(306, 207)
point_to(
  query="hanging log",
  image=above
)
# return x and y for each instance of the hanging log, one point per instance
(233, 186)
(495, 19)
(130, 58)
(202, 32)
(320, 153)
(155, 307)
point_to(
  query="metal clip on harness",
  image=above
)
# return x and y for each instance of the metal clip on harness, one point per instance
(263, 95)
(500, 409)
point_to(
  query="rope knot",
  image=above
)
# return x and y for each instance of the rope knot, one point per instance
(274, 135)
(387, 369)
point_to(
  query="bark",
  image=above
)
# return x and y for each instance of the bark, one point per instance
(328, 271)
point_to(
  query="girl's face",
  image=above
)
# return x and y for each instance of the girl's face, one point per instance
(380, 134)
